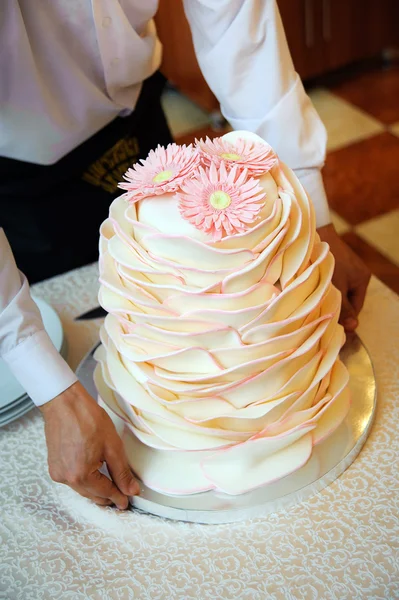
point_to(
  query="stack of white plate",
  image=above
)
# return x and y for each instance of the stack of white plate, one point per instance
(14, 402)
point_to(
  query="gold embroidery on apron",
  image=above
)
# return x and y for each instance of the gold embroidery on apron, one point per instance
(108, 170)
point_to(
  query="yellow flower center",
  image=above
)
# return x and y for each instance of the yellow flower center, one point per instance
(231, 156)
(220, 200)
(162, 176)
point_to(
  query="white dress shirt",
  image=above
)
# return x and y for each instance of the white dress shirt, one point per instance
(24, 344)
(67, 69)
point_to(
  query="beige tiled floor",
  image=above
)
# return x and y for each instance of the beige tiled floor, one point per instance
(339, 223)
(182, 114)
(395, 129)
(383, 233)
(344, 122)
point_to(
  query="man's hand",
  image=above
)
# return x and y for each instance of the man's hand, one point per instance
(80, 437)
(351, 277)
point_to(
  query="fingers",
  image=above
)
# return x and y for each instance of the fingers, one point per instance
(358, 295)
(348, 316)
(96, 487)
(351, 277)
(120, 471)
(96, 499)
(352, 304)
(99, 485)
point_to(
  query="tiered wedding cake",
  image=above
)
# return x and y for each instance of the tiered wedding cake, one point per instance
(220, 349)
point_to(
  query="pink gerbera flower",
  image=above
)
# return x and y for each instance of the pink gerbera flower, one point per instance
(164, 170)
(257, 157)
(220, 202)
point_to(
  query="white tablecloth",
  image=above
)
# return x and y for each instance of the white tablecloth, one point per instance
(341, 544)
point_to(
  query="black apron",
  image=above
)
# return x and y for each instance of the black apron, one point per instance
(52, 214)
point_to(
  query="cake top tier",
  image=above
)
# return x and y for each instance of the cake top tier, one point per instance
(207, 191)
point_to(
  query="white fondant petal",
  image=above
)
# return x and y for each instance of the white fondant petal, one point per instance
(254, 464)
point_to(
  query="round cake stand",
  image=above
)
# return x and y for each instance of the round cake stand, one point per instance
(329, 459)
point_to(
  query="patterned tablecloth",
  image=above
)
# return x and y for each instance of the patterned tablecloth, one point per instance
(341, 544)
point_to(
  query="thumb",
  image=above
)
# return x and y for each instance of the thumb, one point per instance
(121, 472)
(348, 315)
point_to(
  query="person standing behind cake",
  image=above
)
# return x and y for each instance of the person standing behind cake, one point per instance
(79, 103)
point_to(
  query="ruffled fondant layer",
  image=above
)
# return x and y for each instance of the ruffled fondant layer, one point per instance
(222, 358)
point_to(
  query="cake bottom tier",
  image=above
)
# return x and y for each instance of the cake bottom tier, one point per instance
(234, 468)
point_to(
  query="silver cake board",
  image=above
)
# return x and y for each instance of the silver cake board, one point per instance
(329, 459)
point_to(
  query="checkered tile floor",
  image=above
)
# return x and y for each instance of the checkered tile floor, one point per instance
(362, 168)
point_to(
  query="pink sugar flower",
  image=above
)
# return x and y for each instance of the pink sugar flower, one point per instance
(164, 170)
(258, 158)
(220, 202)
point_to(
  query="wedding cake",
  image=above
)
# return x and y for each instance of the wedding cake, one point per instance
(220, 349)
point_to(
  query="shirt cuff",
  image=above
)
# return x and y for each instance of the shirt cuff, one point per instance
(312, 181)
(39, 368)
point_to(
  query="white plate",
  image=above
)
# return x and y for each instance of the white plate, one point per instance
(13, 405)
(10, 389)
(12, 415)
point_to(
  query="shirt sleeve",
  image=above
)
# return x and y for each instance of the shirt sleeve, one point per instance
(243, 53)
(24, 344)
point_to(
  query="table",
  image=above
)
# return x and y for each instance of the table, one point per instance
(342, 543)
